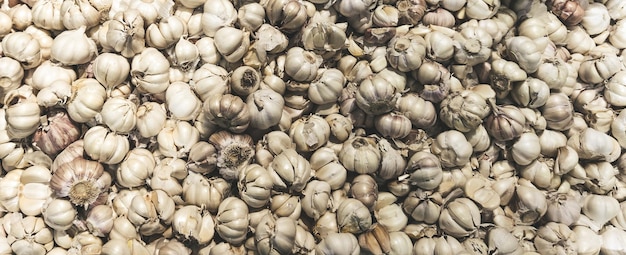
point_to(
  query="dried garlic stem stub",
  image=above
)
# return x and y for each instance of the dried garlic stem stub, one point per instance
(82, 180)
(234, 151)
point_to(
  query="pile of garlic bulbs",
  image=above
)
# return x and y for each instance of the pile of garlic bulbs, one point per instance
(312, 127)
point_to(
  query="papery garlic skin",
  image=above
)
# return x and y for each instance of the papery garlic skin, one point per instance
(111, 69)
(105, 146)
(232, 220)
(204, 192)
(59, 214)
(227, 111)
(309, 133)
(22, 47)
(353, 216)
(289, 170)
(200, 228)
(119, 114)
(451, 221)
(83, 181)
(126, 33)
(151, 118)
(149, 71)
(84, 49)
(453, 148)
(275, 235)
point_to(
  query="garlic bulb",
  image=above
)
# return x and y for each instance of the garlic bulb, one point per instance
(217, 14)
(423, 206)
(290, 171)
(11, 75)
(204, 192)
(231, 42)
(302, 65)
(338, 243)
(82, 180)
(59, 132)
(558, 112)
(451, 222)
(110, 69)
(103, 145)
(150, 211)
(149, 71)
(463, 110)
(360, 154)
(126, 33)
(453, 148)
(193, 224)
(59, 214)
(425, 170)
(265, 107)
(232, 220)
(275, 235)
(227, 111)
(84, 49)
(353, 216)
(255, 185)
(593, 144)
(473, 45)
(119, 114)
(309, 133)
(166, 33)
(88, 97)
(136, 167)
(234, 152)
(406, 53)
(151, 118)
(22, 47)
(22, 113)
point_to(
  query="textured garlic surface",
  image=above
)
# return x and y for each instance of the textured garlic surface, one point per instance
(312, 127)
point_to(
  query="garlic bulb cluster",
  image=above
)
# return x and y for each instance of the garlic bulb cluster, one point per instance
(312, 127)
